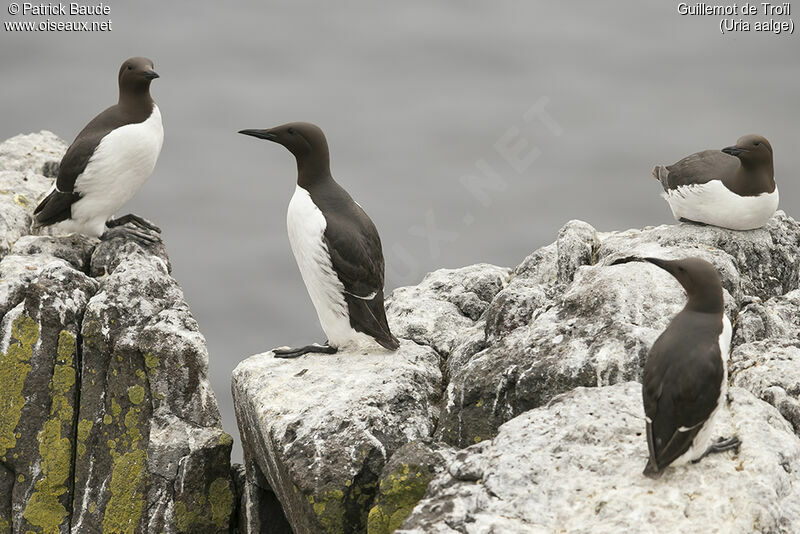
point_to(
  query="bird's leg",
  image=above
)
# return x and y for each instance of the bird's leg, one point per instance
(136, 220)
(721, 445)
(294, 353)
(129, 232)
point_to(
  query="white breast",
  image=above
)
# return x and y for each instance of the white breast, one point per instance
(306, 225)
(121, 163)
(713, 203)
(703, 438)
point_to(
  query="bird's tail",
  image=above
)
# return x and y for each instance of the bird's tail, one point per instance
(651, 470)
(56, 207)
(661, 173)
(369, 317)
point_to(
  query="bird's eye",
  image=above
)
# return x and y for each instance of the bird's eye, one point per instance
(130, 68)
(757, 143)
(291, 131)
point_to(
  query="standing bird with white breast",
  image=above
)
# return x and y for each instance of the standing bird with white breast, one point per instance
(336, 246)
(731, 188)
(686, 373)
(108, 162)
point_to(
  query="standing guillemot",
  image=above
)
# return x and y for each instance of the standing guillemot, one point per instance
(686, 373)
(336, 246)
(732, 188)
(108, 162)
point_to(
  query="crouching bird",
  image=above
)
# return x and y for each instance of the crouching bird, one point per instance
(108, 162)
(336, 246)
(731, 188)
(686, 373)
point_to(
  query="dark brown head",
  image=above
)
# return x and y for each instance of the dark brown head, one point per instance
(698, 277)
(752, 151)
(303, 139)
(135, 76)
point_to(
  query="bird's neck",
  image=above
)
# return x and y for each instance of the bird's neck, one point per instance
(311, 171)
(706, 303)
(138, 96)
(754, 178)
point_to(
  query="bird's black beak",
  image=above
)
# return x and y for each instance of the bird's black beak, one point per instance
(733, 150)
(664, 264)
(627, 259)
(151, 74)
(655, 261)
(261, 134)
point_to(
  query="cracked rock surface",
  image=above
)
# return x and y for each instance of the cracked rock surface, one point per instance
(575, 466)
(107, 419)
(510, 341)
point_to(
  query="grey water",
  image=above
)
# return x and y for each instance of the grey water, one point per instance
(469, 131)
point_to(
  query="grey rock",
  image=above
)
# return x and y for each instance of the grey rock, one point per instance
(508, 343)
(322, 427)
(570, 318)
(444, 305)
(404, 481)
(577, 244)
(766, 355)
(22, 182)
(107, 420)
(575, 466)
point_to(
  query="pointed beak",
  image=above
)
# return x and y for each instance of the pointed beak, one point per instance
(151, 74)
(658, 263)
(261, 134)
(655, 261)
(733, 150)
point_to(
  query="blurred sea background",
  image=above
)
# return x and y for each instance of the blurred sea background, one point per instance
(422, 103)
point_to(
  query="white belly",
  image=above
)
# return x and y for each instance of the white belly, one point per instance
(703, 438)
(713, 203)
(122, 162)
(306, 225)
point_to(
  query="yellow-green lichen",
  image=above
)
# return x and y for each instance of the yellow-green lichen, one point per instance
(199, 511)
(84, 428)
(107, 419)
(220, 497)
(330, 510)
(136, 394)
(225, 439)
(398, 494)
(116, 409)
(14, 369)
(124, 510)
(151, 361)
(44, 509)
(5, 526)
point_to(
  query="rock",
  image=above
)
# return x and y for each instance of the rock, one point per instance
(508, 343)
(575, 466)
(107, 420)
(22, 181)
(766, 355)
(444, 305)
(568, 318)
(576, 245)
(322, 427)
(403, 483)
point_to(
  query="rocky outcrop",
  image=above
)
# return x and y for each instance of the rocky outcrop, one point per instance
(515, 348)
(575, 466)
(107, 420)
(320, 430)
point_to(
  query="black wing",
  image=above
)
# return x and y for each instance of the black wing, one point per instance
(357, 256)
(57, 206)
(698, 168)
(681, 386)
